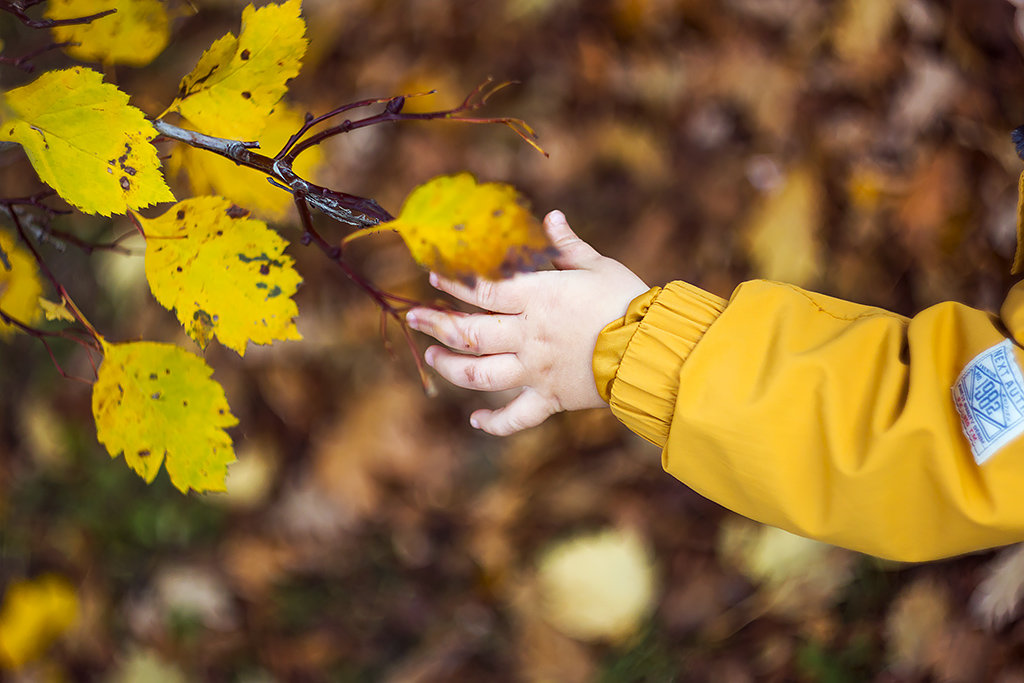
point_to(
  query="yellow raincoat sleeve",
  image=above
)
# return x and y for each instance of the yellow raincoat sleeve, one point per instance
(823, 417)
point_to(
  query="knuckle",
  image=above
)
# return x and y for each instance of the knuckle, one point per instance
(474, 375)
(469, 372)
(515, 423)
(486, 293)
(469, 337)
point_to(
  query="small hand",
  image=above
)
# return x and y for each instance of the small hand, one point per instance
(538, 333)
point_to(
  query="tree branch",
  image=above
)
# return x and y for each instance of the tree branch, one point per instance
(385, 300)
(42, 335)
(358, 211)
(23, 62)
(18, 10)
(61, 291)
(393, 112)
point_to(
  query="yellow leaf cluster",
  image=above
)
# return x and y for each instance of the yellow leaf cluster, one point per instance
(212, 174)
(135, 34)
(157, 403)
(85, 141)
(20, 286)
(35, 613)
(222, 273)
(238, 81)
(461, 229)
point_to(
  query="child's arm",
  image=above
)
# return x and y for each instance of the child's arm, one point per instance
(541, 334)
(824, 417)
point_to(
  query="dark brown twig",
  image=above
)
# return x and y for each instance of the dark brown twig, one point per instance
(23, 62)
(42, 335)
(391, 305)
(61, 291)
(393, 112)
(18, 10)
(360, 212)
(59, 237)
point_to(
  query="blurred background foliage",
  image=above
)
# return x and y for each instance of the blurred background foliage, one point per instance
(857, 147)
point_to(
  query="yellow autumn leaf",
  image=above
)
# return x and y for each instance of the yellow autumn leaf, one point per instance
(462, 229)
(782, 237)
(156, 403)
(20, 286)
(55, 310)
(238, 81)
(598, 586)
(222, 273)
(212, 174)
(135, 34)
(85, 141)
(35, 613)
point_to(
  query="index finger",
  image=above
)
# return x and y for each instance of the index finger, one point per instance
(504, 296)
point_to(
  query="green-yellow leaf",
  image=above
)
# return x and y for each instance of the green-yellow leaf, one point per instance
(20, 286)
(210, 174)
(85, 141)
(463, 230)
(135, 34)
(35, 613)
(222, 273)
(156, 403)
(238, 81)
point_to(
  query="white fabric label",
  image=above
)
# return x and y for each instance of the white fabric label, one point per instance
(989, 395)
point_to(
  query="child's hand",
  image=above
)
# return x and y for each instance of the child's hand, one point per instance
(540, 336)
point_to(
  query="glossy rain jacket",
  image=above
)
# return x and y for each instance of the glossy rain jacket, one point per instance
(895, 436)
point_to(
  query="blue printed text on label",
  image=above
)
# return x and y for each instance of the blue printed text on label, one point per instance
(989, 395)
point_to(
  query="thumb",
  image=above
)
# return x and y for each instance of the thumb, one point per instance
(573, 253)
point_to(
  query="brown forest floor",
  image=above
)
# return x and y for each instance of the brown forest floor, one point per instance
(377, 536)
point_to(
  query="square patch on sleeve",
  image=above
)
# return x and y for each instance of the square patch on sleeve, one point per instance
(989, 395)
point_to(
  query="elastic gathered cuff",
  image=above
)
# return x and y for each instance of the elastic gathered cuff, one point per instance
(638, 358)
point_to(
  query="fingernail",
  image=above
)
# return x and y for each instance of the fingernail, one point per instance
(412, 321)
(474, 423)
(557, 216)
(433, 279)
(428, 356)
